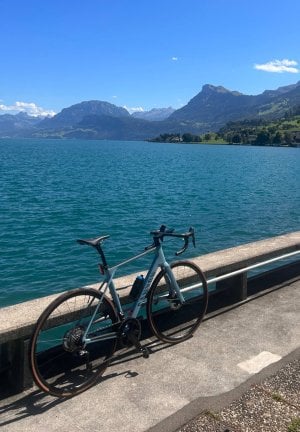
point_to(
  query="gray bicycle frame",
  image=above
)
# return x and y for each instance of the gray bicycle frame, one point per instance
(159, 260)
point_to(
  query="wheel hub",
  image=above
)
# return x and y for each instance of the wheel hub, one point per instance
(174, 303)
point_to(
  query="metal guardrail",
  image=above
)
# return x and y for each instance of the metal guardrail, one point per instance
(252, 267)
(243, 270)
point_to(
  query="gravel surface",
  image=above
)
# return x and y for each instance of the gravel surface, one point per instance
(271, 406)
(286, 383)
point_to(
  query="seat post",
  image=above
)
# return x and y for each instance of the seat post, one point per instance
(101, 253)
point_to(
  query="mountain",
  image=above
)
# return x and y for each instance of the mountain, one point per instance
(211, 104)
(156, 114)
(209, 110)
(108, 127)
(15, 125)
(75, 113)
(215, 106)
(281, 90)
(279, 101)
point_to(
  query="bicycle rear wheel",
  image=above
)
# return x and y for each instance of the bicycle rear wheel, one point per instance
(61, 363)
(171, 320)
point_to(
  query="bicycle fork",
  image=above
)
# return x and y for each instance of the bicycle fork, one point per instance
(174, 291)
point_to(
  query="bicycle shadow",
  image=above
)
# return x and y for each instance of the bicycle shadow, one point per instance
(35, 402)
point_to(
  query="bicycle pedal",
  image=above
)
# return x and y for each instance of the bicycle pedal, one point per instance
(145, 352)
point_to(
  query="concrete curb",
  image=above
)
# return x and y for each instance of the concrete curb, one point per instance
(217, 403)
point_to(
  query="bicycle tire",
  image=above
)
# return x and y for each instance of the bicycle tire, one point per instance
(171, 320)
(60, 364)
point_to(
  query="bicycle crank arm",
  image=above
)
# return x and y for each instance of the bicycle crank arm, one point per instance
(134, 340)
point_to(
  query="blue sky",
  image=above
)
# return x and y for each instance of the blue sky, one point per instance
(142, 53)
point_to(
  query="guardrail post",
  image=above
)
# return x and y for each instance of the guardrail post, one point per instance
(16, 375)
(235, 287)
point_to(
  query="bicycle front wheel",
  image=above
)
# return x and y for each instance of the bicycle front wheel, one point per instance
(72, 342)
(173, 319)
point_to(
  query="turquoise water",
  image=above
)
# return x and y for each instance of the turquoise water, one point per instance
(53, 192)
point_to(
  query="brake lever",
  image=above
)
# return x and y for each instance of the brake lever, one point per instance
(192, 231)
(186, 243)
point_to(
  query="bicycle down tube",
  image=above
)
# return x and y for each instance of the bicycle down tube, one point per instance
(159, 261)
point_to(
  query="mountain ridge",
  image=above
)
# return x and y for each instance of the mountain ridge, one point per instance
(154, 114)
(75, 113)
(209, 110)
(216, 105)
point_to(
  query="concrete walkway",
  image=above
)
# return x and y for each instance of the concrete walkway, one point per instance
(228, 353)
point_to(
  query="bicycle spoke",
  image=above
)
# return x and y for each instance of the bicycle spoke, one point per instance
(171, 319)
(62, 363)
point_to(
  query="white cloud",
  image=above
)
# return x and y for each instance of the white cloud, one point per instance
(134, 109)
(174, 58)
(279, 66)
(28, 107)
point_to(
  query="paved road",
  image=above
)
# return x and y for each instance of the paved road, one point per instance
(228, 353)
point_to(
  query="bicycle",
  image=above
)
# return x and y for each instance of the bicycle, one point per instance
(76, 336)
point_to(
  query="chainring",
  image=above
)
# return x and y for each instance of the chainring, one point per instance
(129, 326)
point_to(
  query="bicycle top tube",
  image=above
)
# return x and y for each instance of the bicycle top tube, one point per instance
(158, 237)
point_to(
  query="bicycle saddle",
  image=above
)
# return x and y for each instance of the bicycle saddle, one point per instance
(94, 241)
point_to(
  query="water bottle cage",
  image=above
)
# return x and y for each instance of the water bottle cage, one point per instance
(137, 288)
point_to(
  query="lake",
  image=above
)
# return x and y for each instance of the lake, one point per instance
(55, 191)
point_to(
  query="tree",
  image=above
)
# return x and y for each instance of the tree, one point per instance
(287, 138)
(277, 138)
(207, 136)
(187, 137)
(236, 139)
(263, 138)
(272, 129)
(228, 138)
(245, 136)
